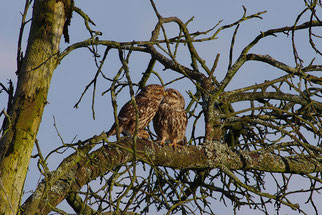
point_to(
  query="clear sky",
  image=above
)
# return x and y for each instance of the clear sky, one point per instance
(126, 20)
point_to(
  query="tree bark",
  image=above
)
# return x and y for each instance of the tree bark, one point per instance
(30, 97)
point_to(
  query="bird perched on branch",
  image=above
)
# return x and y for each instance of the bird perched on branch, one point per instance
(147, 101)
(170, 121)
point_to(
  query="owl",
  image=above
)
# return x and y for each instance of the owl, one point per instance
(170, 121)
(147, 101)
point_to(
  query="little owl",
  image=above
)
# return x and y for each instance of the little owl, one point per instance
(147, 101)
(170, 121)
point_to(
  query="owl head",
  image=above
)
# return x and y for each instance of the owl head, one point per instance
(154, 91)
(173, 97)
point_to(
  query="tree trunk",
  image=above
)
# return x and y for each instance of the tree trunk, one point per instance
(30, 97)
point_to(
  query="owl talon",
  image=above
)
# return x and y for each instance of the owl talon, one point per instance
(162, 143)
(175, 145)
(143, 134)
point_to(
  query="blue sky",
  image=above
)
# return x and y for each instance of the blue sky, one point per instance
(124, 20)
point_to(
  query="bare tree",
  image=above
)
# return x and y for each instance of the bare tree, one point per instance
(275, 134)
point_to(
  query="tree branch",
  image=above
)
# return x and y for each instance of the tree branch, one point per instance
(243, 56)
(273, 95)
(290, 70)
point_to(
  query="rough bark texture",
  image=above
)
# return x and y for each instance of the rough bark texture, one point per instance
(30, 98)
(78, 169)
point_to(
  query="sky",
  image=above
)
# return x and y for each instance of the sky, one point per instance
(124, 20)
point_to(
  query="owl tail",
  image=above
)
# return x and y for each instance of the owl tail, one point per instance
(112, 131)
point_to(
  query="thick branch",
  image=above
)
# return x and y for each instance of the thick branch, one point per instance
(75, 173)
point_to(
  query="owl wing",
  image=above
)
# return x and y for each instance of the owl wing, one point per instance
(147, 108)
(127, 116)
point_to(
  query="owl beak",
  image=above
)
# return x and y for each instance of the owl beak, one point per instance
(165, 93)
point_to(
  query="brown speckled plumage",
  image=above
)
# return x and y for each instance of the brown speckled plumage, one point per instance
(148, 101)
(170, 121)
